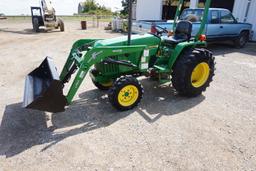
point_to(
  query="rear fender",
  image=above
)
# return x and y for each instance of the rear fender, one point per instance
(179, 49)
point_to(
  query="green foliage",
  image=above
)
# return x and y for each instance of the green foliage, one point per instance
(93, 8)
(125, 7)
(168, 2)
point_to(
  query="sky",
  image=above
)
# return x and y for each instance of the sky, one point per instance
(62, 7)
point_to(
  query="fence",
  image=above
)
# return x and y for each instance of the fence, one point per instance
(93, 20)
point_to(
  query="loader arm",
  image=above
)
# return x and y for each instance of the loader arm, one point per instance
(88, 59)
(177, 14)
(204, 20)
(81, 44)
(44, 87)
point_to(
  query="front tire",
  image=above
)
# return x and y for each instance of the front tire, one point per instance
(126, 93)
(61, 25)
(242, 40)
(36, 25)
(193, 72)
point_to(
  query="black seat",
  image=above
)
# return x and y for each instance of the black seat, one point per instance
(182, 33)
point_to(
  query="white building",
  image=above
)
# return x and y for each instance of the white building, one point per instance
(243, 10)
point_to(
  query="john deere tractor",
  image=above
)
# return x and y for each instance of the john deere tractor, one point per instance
(115, 64)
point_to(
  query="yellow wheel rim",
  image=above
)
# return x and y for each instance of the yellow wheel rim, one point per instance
(128, 95)
(200, 74)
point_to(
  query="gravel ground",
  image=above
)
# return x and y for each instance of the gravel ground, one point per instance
(216, 131)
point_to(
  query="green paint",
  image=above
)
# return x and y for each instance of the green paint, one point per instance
(86, 53)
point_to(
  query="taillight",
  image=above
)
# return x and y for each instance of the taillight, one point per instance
(153, 29)
(202, 37)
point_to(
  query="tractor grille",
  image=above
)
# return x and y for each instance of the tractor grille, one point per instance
(107, 68)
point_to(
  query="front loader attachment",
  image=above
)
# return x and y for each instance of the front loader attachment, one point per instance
(44, 89)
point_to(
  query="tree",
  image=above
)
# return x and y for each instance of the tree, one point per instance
(91, 7)
(125, 4)
(168, 2)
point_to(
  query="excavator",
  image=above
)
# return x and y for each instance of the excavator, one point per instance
(44, 15)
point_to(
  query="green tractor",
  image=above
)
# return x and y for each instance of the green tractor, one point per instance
(118, 62)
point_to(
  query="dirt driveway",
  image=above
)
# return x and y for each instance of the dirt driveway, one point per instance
(216, 131)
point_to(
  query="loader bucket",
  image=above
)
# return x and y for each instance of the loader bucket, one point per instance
(44, 89)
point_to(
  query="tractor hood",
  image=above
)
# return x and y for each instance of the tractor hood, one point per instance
(146, 39)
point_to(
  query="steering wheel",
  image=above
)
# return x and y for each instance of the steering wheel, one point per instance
(160, 31)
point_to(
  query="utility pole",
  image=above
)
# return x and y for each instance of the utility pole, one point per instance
(129, 21)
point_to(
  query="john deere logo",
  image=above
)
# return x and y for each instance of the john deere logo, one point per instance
(117, 51)
(95, 54)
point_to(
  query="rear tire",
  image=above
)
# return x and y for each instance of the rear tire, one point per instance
(193, 72)
(126, 93)
(36, 25)
(242, 40)
(61, 25)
